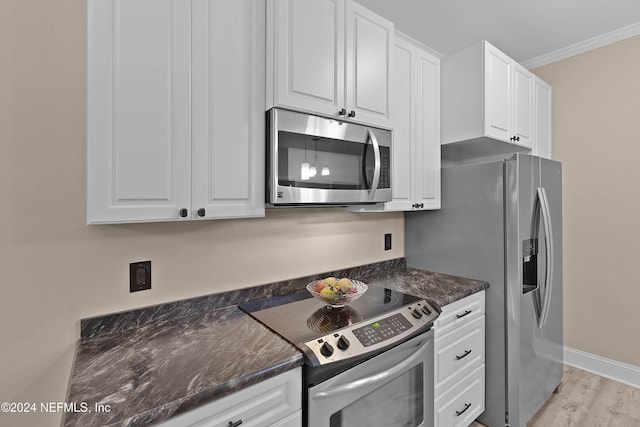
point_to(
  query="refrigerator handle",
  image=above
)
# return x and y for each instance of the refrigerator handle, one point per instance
(548, 242)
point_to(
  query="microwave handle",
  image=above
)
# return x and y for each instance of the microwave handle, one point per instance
(376, 170)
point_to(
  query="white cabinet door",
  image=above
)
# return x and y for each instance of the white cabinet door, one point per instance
(329, 57)
(369, 57)
(228, 114)
(522, 121)
(415, 95)
(542, 97)
(305, 57)
(403, 104)
(138, 110)
(175, 110)
(427, 142)
(498, 94)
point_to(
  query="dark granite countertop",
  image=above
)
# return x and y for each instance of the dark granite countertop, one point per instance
(440, 288)
(152, 363)
(152, 372)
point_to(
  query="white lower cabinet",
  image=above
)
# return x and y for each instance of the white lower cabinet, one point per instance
(463, 402)
(459, 379)
(273, 402)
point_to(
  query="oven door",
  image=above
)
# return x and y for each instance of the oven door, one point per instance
(394, 388)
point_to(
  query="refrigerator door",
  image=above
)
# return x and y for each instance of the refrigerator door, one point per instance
(533, 284)
(552, 329)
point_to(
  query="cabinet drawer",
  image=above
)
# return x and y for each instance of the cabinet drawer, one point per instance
(459, 313)
(270, 401)
(293, 420)
(463, 403)
(458, 352)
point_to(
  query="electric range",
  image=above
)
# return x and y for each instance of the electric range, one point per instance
(336, 339)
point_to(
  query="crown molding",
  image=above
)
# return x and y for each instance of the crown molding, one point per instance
(585, 46)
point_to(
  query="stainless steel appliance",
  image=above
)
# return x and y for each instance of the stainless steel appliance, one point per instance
(314, 160)
(501, 221)
(367, 363)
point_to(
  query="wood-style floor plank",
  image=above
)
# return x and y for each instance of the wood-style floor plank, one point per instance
(588, 400)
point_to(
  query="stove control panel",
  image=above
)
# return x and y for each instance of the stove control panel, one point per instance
(382, 330)
(373, 334)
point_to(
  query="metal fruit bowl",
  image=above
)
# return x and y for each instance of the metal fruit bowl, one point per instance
(339, 296)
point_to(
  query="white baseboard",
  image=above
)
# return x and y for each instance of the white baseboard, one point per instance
(617, 371)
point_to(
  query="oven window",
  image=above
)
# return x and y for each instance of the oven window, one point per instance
(398, 403)
(313, 162)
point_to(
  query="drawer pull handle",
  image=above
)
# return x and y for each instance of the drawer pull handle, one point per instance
(466, 406)
(465, 354)
(236, 424)
(466, 313)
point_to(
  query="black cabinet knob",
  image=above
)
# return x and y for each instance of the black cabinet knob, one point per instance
(236, 424)
(352, 113)
(201, 212)
(184, 212)
(342, 112)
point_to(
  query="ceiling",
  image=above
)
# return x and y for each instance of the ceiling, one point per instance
(533, 32)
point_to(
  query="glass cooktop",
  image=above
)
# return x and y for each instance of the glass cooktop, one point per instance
(299, 317)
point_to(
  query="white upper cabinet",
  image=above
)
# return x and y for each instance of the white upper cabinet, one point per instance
(427, 132)
(522, 106)
(369, 59)
(329, 57)
(486, 94)
(415, 96)
(542, 97)
(138, 109)
(228, 114)
(175, 129)
(305, 55)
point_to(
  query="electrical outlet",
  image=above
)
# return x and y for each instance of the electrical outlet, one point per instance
(139, 276)
(387, 241)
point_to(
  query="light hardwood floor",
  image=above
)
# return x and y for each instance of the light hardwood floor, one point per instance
(588, 400)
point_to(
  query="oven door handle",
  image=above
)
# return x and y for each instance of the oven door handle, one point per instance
(374, 379)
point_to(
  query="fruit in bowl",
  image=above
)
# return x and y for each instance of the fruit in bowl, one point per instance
(336, 292)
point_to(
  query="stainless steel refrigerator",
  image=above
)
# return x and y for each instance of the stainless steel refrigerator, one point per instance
(501, 221)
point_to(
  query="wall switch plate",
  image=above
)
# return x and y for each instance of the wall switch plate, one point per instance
(139, 276)
(387, 241)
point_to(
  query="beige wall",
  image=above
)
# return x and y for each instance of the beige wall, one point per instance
(596, 134)
(55, 270)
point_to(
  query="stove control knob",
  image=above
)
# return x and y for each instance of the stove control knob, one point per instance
(425, 310)
(326, 349)
(343, 343)
(416, 313)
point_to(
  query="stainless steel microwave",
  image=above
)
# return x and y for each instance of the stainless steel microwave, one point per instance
(314, 160)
